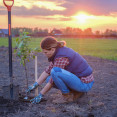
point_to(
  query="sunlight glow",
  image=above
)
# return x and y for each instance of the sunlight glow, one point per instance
(96, 22)
(82, 17)
(84, 20)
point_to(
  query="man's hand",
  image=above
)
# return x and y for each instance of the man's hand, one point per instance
(34, 86)
(37, 99)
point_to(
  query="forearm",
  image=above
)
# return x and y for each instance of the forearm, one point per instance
(42, 78)
(47, 87)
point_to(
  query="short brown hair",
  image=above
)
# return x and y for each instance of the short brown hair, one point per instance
(51, 42)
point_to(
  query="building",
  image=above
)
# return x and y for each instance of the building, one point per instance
(56, 32)
(3, 32)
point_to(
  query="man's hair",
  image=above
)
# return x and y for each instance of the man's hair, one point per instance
(51, 42)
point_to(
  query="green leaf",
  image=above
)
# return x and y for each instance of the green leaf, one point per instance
(28, 60)
(19, 53)
(33, 57)
(24, 52)
(21, 44)
(15, 50)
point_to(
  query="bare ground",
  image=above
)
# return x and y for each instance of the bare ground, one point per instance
(101, 101)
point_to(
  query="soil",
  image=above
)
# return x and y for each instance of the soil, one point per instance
(100, 101)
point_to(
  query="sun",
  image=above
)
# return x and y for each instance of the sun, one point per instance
(81, 17)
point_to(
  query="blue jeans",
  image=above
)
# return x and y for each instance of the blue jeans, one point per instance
(65, 81)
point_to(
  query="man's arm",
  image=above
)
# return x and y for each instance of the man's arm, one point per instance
(47, 87)
(42, 78)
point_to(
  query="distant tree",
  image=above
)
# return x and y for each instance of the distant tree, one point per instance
(107, 32)
(40, 30)
(15, 31)
(46, 30)
(29, 30)
(68, 31)
(88, 31)
(77, 31)
(110, 32)
(97, 32)
(35, 30)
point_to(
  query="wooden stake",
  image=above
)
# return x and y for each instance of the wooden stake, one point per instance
(36, 90)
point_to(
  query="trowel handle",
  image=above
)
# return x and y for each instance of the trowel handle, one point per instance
(7, 5)
(10, 44)
(9, 23)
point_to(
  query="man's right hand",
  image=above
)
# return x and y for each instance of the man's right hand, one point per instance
(32, 87)
(37, 99)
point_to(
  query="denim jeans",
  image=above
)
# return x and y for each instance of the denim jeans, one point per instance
(65, 81)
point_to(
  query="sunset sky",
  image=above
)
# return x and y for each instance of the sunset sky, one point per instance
(95, 14)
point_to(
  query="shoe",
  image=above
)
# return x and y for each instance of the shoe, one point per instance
(69, 97)
(77, 95)
(64, 98)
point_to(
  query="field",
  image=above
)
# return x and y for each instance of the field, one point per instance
(100, 101)
(102, 48)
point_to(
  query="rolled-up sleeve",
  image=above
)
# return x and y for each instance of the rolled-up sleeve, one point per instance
(48, 68)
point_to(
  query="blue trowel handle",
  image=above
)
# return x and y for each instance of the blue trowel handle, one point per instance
(10, 44)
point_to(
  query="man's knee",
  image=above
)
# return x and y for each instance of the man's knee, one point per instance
(55, 70)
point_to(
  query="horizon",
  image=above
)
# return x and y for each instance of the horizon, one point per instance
(95, 14)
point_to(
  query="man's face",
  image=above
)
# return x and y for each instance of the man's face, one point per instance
(48, 53)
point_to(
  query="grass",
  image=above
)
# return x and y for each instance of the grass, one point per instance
(102, 48)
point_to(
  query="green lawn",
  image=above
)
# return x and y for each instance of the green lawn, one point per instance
(103, 48)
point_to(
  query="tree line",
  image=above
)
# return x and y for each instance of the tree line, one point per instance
(68, 31)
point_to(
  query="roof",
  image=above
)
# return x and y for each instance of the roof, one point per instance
(5, 31)
(56, 31)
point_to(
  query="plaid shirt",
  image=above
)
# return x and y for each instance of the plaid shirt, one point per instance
(62, 62)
